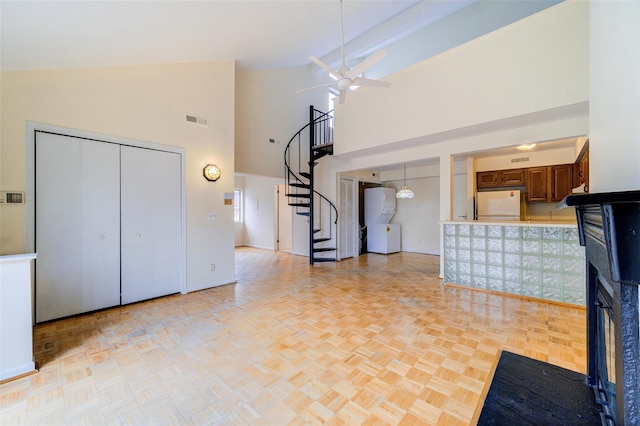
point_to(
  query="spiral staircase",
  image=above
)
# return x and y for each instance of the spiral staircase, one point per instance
(304, 150)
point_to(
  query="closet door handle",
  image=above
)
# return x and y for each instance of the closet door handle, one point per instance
(101, 237)
(138, 235)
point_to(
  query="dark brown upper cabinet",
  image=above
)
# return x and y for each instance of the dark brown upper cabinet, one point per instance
(499, 178)
(550, 183)
(561, 181)
(537, 184)
(515, 177)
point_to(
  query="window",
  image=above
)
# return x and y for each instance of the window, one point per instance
(333, 95)
(237, 205)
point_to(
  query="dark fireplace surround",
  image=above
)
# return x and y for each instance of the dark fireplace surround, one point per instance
(609, 226)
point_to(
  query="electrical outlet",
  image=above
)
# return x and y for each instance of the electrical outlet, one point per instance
(212, 216)
(213, 267)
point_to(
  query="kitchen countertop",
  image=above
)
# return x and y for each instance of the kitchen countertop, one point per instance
(17, 257)
(573, 200)
(535, 223)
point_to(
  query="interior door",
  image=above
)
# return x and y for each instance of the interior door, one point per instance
(77, 225)
(151, 223)
(348, 229)
(283, 220)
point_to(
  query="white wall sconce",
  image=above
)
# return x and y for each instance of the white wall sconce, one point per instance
(211, 172)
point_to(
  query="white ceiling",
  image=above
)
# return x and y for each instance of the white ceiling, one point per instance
(511, 150)
(257, 34)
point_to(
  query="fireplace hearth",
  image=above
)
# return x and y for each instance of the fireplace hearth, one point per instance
(609, 226)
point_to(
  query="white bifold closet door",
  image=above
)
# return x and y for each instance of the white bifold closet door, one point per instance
(347, 218)
(151, 223)
(77, 225)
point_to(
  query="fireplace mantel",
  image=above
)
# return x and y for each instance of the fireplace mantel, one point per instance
(609, 227)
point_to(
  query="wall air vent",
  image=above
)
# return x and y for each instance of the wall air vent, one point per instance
(199, 121)
(520, 160)
(11, 197)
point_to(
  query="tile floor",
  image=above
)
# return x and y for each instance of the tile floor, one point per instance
(372, 340)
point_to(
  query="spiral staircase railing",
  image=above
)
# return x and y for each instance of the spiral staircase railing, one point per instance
(312, 142)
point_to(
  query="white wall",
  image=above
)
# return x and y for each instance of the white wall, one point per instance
(614, 68)
(418, 216)
(460, 198)
(371, 175)
(268, 107)
(614, 130)
(519, 75)
(145, 103)
(481, 17)
(536, 158)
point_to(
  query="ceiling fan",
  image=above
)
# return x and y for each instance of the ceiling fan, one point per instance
(347, 77)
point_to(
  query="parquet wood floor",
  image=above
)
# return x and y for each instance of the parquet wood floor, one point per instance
(372, 340)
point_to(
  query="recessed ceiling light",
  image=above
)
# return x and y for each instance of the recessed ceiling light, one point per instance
(526, 146)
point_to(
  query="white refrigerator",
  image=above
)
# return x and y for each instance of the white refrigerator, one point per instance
(379, 208)
(498, 206)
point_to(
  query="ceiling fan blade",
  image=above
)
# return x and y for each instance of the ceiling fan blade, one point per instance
(314, 87)
(361, 81)
(362, 66)
(325, 67)
(343, 95)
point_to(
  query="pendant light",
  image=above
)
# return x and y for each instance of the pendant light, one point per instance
(405, 192)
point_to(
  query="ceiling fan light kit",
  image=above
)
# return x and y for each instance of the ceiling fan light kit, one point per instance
(348, 78)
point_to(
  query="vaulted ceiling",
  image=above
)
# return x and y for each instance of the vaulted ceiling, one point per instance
(257, 34)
